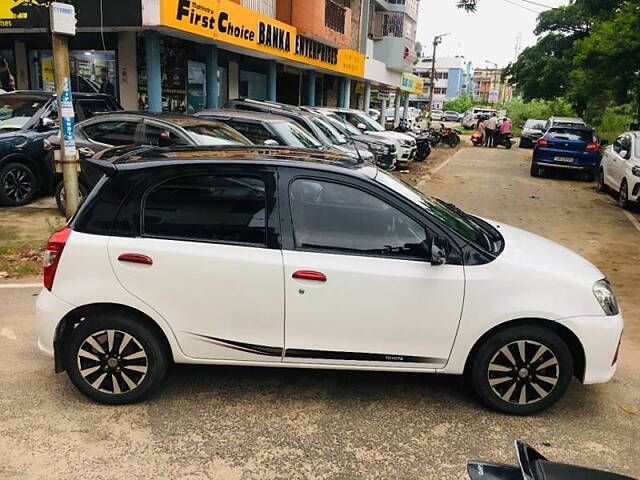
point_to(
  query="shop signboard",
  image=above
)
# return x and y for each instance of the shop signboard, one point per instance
(383, 94)
(228, 22)
(411, 83)
(29, 14)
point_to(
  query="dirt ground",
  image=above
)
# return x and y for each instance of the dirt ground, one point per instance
(235, 422)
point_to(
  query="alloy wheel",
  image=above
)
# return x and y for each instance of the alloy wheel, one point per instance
(623, 195)
(523, 372)
(112, 361)
(17, 184)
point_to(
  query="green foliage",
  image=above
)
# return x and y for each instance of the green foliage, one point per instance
(460, 104)
(519, 110)
(614, 121)
(54, 223)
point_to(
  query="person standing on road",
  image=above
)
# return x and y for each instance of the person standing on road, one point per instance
(491, 127)
(480, 128)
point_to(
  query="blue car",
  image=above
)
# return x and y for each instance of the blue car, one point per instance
(567, 147)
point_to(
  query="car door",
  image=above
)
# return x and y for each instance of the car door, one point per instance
(615, 166)
(359, 287)
(111, 132)
(208, 261)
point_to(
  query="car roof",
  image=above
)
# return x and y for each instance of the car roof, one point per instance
(243, 114)
(142, 157)
(567, 119)
(176, 119)
(46, 95)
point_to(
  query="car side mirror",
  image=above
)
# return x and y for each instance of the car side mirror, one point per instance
(271, 142)
(361, 126)
(47, 123)
(438, 252)
(624, 154)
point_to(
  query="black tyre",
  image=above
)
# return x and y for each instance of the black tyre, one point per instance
(535, 169)
(115, 359)
(60, 196)
(623, 195)
(454, 140)
(600, 185)
(524, 143)
(17, 184)
(522, 370)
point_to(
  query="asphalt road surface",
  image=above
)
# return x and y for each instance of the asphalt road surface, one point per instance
(232, 422)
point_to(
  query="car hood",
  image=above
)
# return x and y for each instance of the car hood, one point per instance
(386, 135)
(544, 255)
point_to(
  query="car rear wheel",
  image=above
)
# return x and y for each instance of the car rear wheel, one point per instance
(601, 186)
(115, 359)
(61, 196)
(17, 184)
(535, 169)
(522, 370)
(623, 195)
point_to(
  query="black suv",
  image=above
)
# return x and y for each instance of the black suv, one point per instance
(27, 118)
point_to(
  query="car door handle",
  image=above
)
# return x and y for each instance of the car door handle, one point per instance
(309, 275)
(135, 258)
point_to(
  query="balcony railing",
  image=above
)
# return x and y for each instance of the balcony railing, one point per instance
(334, 16)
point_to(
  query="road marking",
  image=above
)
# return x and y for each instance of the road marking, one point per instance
(634, 221)
(435, 170)
(20, 285)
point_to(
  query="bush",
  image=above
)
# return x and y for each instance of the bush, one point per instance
(460, 104)
(613, 121)
(519, 111)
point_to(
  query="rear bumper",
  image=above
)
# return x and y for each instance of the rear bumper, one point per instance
(599, 337)
(49, 311)
(580, 160)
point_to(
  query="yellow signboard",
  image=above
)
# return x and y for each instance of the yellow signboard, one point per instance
(412, 83)
(228, 22)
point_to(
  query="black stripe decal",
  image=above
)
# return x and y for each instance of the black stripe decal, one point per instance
(359, 356)
(243, 347)
(315, 354)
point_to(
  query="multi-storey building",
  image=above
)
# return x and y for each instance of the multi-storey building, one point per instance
(488, 86)
(186, 55)
(452, 76)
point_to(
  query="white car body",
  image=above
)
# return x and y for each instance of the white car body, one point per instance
(371, 313)
(621, 165)
(436, 114)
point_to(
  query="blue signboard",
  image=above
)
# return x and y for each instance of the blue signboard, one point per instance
(67, 120)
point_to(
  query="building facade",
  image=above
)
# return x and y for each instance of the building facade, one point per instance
(185, 55)
(488, 86)
(452, 78)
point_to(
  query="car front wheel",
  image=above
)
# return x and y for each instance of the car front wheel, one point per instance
(601, 186)
(623, 196)
(114, 358)
(17, 184)
(522, 370)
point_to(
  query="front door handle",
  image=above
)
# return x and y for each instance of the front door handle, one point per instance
(310, 275)
(135, 258)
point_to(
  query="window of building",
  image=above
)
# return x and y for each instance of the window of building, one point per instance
(341, 219)
(210, 208)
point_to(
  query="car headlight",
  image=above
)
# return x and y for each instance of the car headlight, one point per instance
(378, 148)
(636, 171)
(605, 296)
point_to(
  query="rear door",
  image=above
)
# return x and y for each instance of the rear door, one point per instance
(211, 264)
(616, 165)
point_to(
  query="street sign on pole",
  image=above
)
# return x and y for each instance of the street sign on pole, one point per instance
(63, 18)
(493, 96)
(67, 119)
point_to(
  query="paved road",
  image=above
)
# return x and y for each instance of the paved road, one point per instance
(235, 422)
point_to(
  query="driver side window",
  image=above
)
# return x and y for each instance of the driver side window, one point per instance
(337, 218)
(617, 145)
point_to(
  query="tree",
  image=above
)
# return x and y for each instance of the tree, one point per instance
(418, 49)
(460, 104)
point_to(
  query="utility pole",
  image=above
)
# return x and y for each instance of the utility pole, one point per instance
(63, 23)
(437, 40)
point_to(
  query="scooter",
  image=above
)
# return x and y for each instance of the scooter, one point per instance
(476, 139)
(506, 140)
(451, 137)
(423, 147)
(532, 465)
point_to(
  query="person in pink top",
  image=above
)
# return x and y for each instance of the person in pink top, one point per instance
(506, 126)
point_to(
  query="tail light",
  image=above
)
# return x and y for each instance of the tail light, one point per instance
(542, 142)
(592, 147)
(52, 254)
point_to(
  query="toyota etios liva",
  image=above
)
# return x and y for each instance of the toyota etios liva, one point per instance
(273, 257)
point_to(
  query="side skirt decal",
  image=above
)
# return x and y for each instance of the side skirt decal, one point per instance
(315, 354)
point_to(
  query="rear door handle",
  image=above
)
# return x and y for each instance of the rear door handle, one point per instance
(135, 258)
(309, 275)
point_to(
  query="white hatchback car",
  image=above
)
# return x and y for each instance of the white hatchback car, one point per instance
(287, 258)
(620, 169)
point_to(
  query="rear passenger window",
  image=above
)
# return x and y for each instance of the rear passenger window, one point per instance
(116, 132)
(253, 131)
(213, 208)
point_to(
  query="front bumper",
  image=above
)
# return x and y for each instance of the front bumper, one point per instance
(406, 154)
(599, 337)
(49, 311)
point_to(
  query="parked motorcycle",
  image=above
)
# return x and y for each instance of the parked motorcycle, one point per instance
(423, 147)
(451, 136)
(506, 140)
(534, 466)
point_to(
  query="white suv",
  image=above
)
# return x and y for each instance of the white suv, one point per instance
(289, 258)
(620, 169)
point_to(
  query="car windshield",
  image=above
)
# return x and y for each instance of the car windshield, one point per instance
(571, 134)
(448, 214)
(369, 122)
(343, 127)
(295, 136)
(207, 134)
(331, 133)
(534, 124)
(15, 112)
